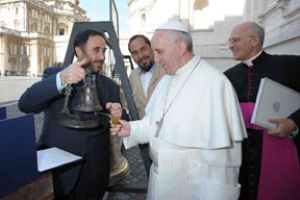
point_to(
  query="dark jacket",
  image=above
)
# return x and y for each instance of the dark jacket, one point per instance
(92, 144)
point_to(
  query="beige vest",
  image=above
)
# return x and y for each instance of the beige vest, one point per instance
(137, 90)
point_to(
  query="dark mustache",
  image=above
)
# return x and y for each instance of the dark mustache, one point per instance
(143, 58)
(99, 61)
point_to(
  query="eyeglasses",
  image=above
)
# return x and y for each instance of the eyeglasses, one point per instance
(237, 39)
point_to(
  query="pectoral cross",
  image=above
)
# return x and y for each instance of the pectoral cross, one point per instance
(159, 124)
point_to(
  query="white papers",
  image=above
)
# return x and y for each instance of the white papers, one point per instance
(54, 157)
(274, 101)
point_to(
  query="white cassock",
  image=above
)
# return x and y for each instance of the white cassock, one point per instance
(197, 153)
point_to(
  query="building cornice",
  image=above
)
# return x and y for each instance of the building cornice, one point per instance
(24, 34)
(40, 4)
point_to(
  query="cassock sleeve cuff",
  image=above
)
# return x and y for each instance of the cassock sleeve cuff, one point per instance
(295, 132)
(139, 134)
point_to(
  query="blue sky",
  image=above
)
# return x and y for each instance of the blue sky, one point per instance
(99, 11)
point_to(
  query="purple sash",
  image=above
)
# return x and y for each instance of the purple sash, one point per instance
(279, 175)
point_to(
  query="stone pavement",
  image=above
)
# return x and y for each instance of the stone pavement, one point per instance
(12, 87)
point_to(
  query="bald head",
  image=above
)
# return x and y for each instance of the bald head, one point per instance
(253, 28)
(246, 40)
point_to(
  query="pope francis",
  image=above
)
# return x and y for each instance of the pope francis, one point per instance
(193, 124)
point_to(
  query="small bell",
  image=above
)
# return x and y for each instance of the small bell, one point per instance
(89, 101)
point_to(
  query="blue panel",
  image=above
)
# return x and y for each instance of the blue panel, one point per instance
(2, 113)
(17, 153)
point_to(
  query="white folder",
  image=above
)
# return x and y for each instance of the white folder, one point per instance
(52, 158)
(274, 100)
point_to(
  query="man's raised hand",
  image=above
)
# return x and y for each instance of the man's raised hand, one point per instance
(73, 73)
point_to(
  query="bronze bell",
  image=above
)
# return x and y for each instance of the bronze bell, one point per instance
(89, 101)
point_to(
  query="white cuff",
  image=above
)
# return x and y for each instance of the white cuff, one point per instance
(58, 83)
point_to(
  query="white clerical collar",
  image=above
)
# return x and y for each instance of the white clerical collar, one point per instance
(249, 61)
(188, 66)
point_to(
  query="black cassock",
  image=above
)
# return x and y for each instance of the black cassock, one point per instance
(284, 69)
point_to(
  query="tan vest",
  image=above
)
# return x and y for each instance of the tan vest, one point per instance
(137, 89)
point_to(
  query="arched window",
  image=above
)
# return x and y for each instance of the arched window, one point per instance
(12, 69)
(25, 67)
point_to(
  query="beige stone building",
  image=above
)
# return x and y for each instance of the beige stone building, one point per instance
(211, 21)
(34, 34)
